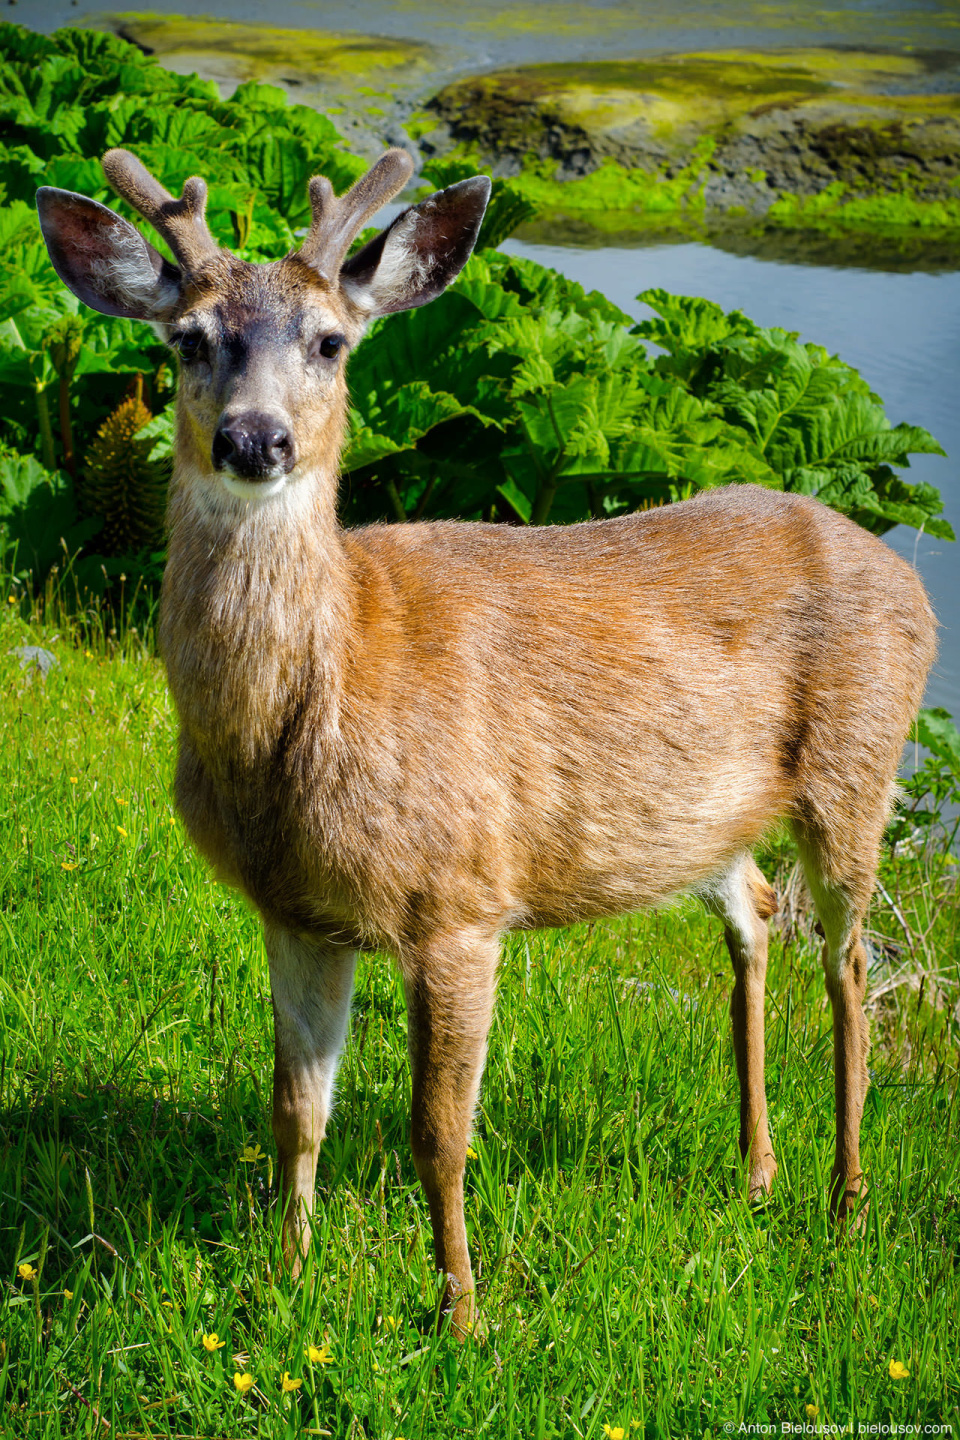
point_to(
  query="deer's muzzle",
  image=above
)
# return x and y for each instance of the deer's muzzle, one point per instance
(253, 446)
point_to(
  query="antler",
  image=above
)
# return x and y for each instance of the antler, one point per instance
(180, 222)
(337, 221)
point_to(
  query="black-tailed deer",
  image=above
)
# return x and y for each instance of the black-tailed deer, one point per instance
(417, 737)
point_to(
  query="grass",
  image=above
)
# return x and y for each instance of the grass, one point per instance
(624, 1282)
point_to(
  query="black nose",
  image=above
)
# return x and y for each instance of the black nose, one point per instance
(253, 446)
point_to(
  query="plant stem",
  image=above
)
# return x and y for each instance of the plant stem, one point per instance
(66, 428)
(424, 500)
(46, 430)
(393, 495)
(543, 503)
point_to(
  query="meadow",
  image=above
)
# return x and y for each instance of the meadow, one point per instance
(625, 1285)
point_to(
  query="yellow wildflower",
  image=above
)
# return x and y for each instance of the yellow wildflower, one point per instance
(321, 1356)
(121, 831)
(74, 780)
(812, 1411)
(250, 1154)
(391, 1322)
(68, 865)
(287, 1384)
(898, 1371)
(11, 599)
(27, 1272)
(471, 1153)
(88, 654)
(242, 1383)
(68, 1294)
(213, 1342)
(615, 1432)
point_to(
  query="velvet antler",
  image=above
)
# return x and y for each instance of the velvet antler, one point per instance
(337, 221)
(180, 222)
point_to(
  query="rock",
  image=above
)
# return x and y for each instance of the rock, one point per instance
(745, 128)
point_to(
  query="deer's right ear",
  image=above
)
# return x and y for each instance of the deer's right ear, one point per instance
(104, 260)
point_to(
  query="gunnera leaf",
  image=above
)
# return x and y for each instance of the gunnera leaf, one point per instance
(122, 485)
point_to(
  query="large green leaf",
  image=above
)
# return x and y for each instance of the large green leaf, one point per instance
(936, 730)
(688, 324)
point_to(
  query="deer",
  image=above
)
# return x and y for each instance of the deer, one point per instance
(416, 738)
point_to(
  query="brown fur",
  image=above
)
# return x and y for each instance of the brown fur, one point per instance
(417, 737)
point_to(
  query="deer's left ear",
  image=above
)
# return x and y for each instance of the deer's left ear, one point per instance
(419, 253)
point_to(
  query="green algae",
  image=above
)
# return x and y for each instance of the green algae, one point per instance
(258, 48)
(616, 203)
(613, 188)
(838, 206)
(339, 73)
(617, 200)
(641, 24)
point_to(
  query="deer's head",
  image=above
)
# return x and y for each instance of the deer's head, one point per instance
(262, 348)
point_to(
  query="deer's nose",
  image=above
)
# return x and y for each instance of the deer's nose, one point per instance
(253, 446)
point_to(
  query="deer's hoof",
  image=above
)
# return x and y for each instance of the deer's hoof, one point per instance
(848, 1203)
(459, 1312)
(760, 1179)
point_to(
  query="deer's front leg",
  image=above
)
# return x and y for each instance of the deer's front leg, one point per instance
(742, 897)
(450, 986)
(311, 981)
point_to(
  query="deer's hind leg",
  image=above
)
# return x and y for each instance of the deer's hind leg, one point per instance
(841, 885)
(311, 981)
(744, 901)
(449, 981)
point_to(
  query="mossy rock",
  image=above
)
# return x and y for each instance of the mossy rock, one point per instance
(231, 53)
(730, 132)
(652, 111)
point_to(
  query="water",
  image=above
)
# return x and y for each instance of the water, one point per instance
(478, 34)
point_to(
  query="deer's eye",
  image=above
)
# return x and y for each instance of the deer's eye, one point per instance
(328, 346)
(190, 344)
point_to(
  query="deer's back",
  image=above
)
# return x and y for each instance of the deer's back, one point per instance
(596, 716)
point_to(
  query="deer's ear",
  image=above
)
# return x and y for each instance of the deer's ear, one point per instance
(419, 253)
(104, 260)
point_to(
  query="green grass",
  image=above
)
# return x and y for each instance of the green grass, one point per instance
(623, 1280)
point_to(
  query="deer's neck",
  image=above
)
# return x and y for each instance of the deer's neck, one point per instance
(255, 615)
